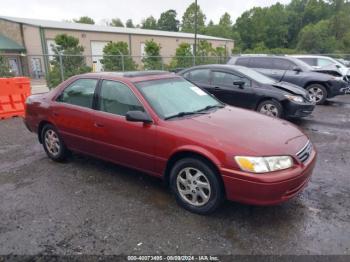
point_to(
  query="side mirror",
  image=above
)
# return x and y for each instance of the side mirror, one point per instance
(239, 83)
(297, 69)
(138, 116)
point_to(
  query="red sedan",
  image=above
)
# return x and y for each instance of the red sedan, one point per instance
(165, 126)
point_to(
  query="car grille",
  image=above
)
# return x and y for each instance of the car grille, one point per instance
(305, 153)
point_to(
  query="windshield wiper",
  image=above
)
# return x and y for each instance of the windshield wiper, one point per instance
(210, 107)
(181, 114)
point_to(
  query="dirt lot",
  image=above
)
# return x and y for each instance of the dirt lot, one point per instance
(88, 206)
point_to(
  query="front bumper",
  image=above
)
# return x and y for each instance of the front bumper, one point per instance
(267, 189)
(292, 109)
(336, 87)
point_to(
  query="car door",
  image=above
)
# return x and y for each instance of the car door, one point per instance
(227, 91)
(116, 139)
(265, 66)
(72, 114)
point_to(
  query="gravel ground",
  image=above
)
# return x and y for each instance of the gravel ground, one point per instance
(88, 206)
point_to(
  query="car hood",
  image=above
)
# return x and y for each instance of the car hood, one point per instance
(242, 132)
(290, 88)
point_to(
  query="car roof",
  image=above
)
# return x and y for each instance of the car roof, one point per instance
(134, 76)
(213, 66)
(311, 56)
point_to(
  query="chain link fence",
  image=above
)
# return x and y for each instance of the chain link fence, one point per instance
(47, 71)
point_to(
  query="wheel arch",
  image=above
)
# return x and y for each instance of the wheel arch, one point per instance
(40, 128)
(207, 157)
(316, 83)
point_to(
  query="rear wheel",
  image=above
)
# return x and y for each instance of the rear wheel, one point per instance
(317, 93)
(53, 143)
(270, 108)
(196, 186)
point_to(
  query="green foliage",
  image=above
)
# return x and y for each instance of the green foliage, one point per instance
(183, 56)
(73, 61)
(85, 20)
(4, 67)
(306, 25)
(129, 23)
(115, 55)
(168, 21)
(223, 29)
(188, 19)
(149, 23)
(205, 53)
(152, 59)
(317, 38)
(116, 22)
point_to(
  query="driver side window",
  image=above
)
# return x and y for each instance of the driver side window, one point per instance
(227, 79)
(117, 98)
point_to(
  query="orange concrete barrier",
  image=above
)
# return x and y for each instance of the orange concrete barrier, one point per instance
(13, 94)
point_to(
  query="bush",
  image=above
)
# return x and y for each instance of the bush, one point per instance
(4, 68)
(183, 57)
(152, 59)
(116, 56)
(73, 60)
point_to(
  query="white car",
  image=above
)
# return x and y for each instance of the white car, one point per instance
(325, 63)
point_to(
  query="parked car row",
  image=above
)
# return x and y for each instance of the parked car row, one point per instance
(166, 126)
(243, 87)
(320, 85)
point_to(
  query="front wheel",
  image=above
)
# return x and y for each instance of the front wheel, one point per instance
(270, 108)
(53, 144)
(317, 93)
(196, 186)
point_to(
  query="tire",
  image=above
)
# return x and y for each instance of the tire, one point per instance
(317, 93)
(270, 108)
(205, 192)
(53, 144)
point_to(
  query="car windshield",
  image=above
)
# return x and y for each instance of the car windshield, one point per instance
(256, 76)
(176, 97)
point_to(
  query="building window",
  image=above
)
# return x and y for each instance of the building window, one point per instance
(143, 52)
(51, 45)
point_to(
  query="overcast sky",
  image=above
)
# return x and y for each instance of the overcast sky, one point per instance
(124, 9)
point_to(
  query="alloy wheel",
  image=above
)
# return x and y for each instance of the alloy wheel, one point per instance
(193, 186)
(52, 142)
(269, 109)
(316, 94)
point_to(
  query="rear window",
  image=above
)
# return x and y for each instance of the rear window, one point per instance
(282, 64)
(200, 76)
(243, 61)
(261, 62)
(309, 60)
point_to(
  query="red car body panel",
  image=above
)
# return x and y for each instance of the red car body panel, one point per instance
(217, 136)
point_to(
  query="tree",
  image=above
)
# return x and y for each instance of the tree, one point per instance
(116, 22)
(152, 59)
(183, 56)
(317, 38)
(168, 21)
(116, 57)
(205, 53)
(73, 62)
(149, 23)
(4, 67)
(223, 29)
(84, 20)
(188, 19)
(129, 23)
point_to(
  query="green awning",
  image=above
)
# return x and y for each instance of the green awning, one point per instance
(7, 44)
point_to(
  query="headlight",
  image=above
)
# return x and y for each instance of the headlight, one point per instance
(264, 164)
(299, 99)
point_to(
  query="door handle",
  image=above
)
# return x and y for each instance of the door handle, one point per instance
(217, 88)
(98, 125)
(55, 114)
